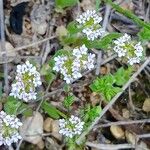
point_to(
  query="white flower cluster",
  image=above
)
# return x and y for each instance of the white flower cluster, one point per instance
(27, 79)
(71, 127)
(71, 66)
(125, 47)
(90, 21)
(9, 126)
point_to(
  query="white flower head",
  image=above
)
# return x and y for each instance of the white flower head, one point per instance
(71, 127)
(71, 67)
(90, 22)
(27, 79)
(9, 126)
(128, 49)
(89, 16)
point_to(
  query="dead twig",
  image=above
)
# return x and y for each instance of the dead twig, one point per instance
(105, 23)
(2, 43)
(124, 123)
(131, 105)
(32, 44)
(142, 136)
(109, 146)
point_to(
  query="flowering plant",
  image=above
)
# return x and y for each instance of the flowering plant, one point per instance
(85, 40)
(72, 64)
(26, 81)
(130, 50)
(90, 22)
(9, 126)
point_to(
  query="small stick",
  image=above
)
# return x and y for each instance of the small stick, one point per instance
(124, 123)
(109, 146)
(3, 49)
(131, 105)
(32, 44)
(106, 17)
(143, 136)
(99, 60)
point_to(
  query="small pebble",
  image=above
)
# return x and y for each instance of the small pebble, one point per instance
(117, 132)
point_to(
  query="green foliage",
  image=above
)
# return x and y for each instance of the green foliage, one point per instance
(77, 40)
(46, 71)
(14, 107)
(89, 113)
(122, 75)
(144, 34)
(65, 3)
(108, 84)
(50, 77)
(105, 86)
(103, 43)
(68, 101)
(52, 111)
(98, 2)
(72, 28)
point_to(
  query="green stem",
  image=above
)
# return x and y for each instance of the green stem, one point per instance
(128, 14)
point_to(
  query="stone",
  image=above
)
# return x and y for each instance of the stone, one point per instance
(117, 132)
(32, 128)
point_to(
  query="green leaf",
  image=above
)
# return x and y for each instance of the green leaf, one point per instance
(44, 70)
(68, 101)
(144, 34)
(25, 110)
(52, 111)
(123, 75)
(90, 113)
(98, 2)
(12, 105)
(105, 86)
(15, 107)
(65, 3)
(72, 28)
(103, 43)
(50, 77)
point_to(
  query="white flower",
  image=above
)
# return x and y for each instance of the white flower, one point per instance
(125, 47)
(72, 66)
(89, 15)
(27, 79)
(93, 34)
(90, 61)
(90, 22)
(138, 49)
(71, 127)
(77, 53)
(9, 126)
